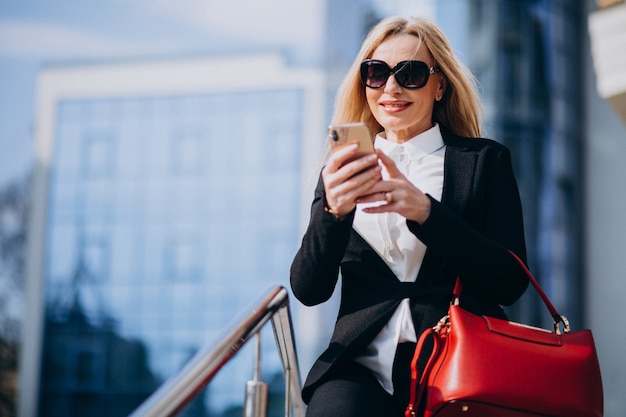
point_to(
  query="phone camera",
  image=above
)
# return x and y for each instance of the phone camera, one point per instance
(333, 135)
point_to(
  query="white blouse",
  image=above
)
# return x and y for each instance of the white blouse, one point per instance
(421, 160)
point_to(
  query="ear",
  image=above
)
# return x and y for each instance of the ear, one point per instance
(442, 86)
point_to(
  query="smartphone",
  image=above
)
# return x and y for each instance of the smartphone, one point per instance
(342, 135)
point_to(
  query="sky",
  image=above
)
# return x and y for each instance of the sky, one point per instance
(37, 33)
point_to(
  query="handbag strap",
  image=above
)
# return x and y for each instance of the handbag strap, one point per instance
(418, 386)
(458, 289)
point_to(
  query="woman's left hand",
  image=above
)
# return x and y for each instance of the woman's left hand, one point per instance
(400, 195)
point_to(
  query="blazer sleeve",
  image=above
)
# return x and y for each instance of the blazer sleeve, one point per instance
(315, 268)
(475, 245)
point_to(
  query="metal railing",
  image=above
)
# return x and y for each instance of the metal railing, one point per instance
(179, 390)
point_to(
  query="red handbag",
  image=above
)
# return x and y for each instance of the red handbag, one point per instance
(486, 367)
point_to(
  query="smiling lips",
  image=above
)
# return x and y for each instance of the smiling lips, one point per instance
(395, 106)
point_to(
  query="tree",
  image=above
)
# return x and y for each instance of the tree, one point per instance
(14, 209)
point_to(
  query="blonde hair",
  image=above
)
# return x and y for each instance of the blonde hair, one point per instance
(459, 111)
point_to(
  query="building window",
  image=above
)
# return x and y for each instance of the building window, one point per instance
(98, 153)
(85, 368)
(187, 151)
(183, 259)
(96, 257)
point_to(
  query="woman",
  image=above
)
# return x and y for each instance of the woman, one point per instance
(434, 202)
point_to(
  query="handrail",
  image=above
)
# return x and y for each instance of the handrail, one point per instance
(180, 389)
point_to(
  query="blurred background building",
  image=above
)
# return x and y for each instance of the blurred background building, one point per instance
(170, 189)
(170, 196)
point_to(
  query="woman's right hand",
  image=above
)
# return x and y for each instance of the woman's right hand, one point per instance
(345, 182)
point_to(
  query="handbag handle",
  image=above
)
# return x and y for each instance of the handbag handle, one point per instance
(458, 289)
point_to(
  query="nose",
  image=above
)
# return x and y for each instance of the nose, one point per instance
(392, 86)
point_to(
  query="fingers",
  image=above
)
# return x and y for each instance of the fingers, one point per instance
(390, 200)
(360, 181)
(342, 178)
(375, 196)
(402, 198)
(382, 190)
(355, 185)
(339, 156)
(389, 164)
(344, 183)
(335, 172)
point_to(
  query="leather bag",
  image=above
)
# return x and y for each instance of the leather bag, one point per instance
(481, 366)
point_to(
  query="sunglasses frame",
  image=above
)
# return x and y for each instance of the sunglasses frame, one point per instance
(400, 66)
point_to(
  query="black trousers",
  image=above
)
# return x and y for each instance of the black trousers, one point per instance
(353, 391)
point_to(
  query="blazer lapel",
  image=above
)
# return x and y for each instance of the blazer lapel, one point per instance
(459, 174)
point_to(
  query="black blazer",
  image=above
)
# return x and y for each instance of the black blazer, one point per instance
(467, 234)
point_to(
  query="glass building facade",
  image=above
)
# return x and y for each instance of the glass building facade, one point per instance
(529, 67)
(168, 214)
(160, 207)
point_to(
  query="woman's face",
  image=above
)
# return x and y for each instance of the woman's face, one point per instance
(404, 113)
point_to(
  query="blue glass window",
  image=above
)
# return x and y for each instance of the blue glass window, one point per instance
(167, 217)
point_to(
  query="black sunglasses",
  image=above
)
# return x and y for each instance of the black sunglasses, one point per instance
(409, 74)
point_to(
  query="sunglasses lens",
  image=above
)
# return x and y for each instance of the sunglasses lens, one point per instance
(413, 74)
(374, 74)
